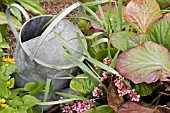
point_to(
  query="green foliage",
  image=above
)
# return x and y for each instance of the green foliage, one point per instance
(141, 55)
(30, 5)
(103, 53)
(164, 4)
(83, 86)
(34, 88)
(123, 40)
(144, 89)
(101, 109)
(18, 100)
(144, 63)
(138, 14)
(159, 32)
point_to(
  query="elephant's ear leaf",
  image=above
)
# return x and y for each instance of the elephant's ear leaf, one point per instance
(147, 62)
(142, 13)
(159, 32)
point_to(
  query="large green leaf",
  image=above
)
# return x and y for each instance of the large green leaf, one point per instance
(29, 101)
(141, 13)
(3, 20)
(159, 32)
(34, 88)
(3, 31)
(144, 89)
(34, 109)
(164, 3)
(8, 110)
(82, 86)
(3, 35)
(16, 13)
(101, 109)
(11, 69)
(16, 102)
(145, 63)
(124, 40)
(4, 91)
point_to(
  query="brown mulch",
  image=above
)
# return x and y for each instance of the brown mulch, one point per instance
(52, 7)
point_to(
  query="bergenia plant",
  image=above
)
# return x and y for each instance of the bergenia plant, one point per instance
(127, 61)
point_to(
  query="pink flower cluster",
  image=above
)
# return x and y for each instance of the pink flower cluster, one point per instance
(107, 61)
(98, 91)
(79, 106)
(122, 90)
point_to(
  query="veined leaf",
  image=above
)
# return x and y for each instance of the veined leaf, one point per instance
(132, 107)
(83, 86)
(29, 101)
(34, 88)
(144, 89)
(145, 63)
(164, 3)
(142, 13)
(120, 40)
(159, 32)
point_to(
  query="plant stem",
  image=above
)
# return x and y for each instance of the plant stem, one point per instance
(156, 98)
(166, 11)
(120, 2)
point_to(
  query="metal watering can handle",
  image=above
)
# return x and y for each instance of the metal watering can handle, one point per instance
(11, 24)
(50, 27)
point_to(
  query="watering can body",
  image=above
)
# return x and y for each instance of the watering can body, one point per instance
(39, 50)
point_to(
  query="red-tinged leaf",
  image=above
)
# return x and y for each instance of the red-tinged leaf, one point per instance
(147, 62)
(114, 101)
(123, 40)
(163, 109)
(142, 13)
(132, 107)
(167, 86)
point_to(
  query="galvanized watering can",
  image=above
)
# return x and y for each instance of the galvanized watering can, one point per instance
(38, 48)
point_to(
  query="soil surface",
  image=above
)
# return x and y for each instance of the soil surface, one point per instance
(52, 7)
